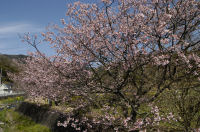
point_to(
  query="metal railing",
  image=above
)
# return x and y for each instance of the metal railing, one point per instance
(4, 95)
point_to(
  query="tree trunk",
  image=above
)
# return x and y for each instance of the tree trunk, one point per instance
(133, 113)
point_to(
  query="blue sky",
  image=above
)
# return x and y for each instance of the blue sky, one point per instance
(21, 16)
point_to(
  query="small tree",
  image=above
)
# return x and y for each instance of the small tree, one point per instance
(131, 49)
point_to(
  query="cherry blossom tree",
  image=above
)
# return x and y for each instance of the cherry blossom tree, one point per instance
(131, 50)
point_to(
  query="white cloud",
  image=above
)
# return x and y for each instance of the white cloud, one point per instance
(9, 30)
(10, 43)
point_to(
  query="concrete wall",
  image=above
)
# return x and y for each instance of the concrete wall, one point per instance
(45, 116)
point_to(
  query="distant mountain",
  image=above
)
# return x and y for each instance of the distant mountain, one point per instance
(18, 57)
(8, 65)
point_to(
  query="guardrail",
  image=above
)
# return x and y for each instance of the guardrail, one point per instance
(5, 95)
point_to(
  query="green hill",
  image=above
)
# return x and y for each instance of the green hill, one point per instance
(7, 64)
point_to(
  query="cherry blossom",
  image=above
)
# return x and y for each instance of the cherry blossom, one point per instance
(126, 48)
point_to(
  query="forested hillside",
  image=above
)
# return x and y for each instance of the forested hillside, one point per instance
(8, 64)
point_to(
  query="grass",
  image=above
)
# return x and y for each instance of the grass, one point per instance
(11, 100)
(16, 122)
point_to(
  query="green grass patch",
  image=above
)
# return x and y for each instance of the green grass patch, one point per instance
(11, 100)
(16, 122)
